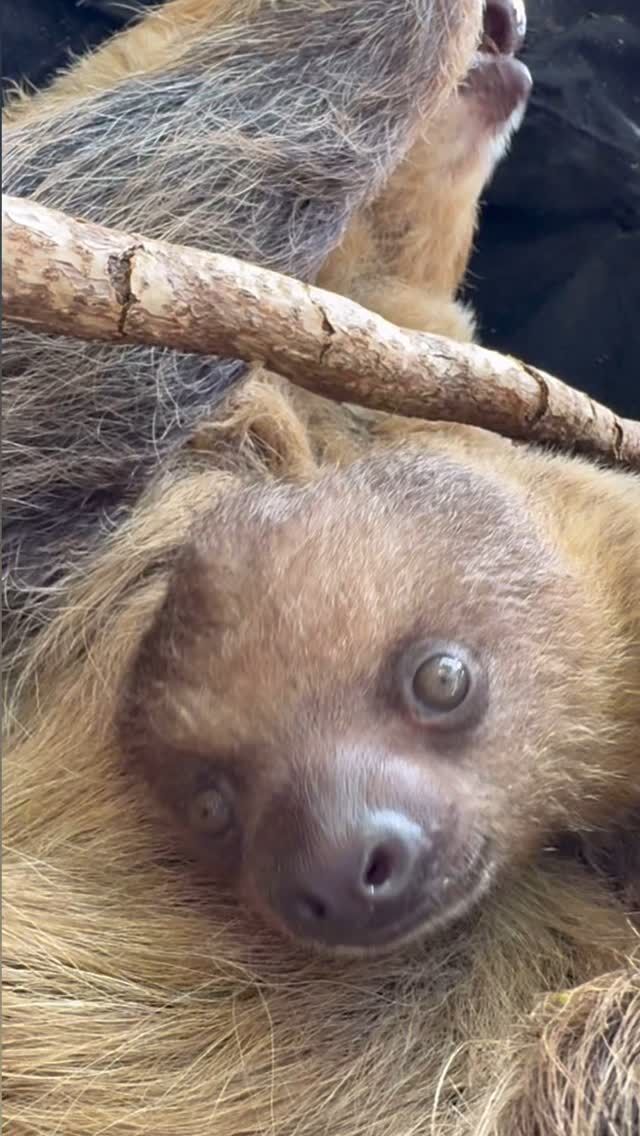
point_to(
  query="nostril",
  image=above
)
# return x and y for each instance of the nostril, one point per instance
(387, 867)
(379, 867)
(311, 908)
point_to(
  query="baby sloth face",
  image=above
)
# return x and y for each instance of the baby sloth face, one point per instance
(357, 698)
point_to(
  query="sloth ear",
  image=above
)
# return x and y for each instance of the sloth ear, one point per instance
(202, 593)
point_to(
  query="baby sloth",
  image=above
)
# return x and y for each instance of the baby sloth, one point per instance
(365, 698)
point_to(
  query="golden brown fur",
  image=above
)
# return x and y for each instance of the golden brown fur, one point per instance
(580, 1064)
(136, 998)
(215, 693)
(140, 1001)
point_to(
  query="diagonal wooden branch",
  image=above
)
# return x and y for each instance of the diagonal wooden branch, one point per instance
(69, 277)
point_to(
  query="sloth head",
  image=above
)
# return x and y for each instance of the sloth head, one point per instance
(364, 698)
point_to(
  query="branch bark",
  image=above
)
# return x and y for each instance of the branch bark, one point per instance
(69, 277)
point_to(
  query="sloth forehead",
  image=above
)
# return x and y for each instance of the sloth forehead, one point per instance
(423, 515)
(400, 544)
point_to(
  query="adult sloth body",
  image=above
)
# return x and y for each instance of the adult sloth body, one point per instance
(327, 140)
(254, 129)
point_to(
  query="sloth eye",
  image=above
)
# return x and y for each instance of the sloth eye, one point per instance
(210, 812)
(441, 683)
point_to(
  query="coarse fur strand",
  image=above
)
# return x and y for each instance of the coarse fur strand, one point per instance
(137, 999)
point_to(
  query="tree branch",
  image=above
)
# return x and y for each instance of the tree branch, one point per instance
(69, 277)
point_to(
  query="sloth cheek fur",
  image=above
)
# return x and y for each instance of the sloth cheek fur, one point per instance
(362, 752)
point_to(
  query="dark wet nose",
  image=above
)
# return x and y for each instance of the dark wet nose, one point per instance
(352, 891)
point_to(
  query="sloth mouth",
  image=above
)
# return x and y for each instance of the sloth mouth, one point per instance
(504, 27)
(497, 83)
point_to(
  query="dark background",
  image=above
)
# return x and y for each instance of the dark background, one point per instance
(555, 277)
